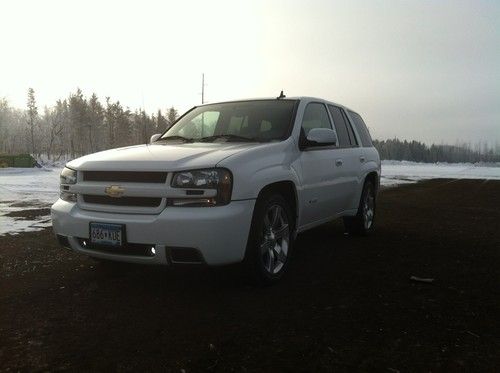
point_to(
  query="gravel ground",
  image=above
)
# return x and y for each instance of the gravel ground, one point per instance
(347, 303)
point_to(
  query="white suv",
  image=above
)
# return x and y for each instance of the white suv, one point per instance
(228, 182)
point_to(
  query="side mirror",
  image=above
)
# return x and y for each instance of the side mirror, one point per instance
(155, 137)
(321, 137)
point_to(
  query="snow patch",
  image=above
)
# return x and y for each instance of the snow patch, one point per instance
(37, 188)
(403, 172)
(26, 188)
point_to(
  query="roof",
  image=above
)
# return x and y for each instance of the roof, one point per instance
(305, 98)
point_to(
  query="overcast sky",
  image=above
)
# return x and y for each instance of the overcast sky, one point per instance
(424, 70)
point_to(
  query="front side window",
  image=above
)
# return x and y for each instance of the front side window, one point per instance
(315, 116)
(260, 121)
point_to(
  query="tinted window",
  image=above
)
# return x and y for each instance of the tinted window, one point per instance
(340, 126)
(263, 120)
(366, 139)
(315, 116)
(237, 125)
(352, 136)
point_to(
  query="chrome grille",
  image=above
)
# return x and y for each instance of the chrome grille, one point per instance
(137, 192)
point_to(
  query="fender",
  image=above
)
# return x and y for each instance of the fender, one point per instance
(256, 168)
(367, 168)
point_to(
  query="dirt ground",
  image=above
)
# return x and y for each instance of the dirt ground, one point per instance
(346, 304)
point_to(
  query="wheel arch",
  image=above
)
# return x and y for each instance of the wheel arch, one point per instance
(288, 190)
(374, 178)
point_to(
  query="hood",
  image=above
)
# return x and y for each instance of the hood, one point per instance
(159, 157)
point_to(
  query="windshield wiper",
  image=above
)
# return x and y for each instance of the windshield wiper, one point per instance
(228, 137)
(175, 137)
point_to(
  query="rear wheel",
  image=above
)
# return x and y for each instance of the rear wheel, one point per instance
(270, 242)
(363, 222)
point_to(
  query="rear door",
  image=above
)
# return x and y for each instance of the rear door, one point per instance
(347, 158)
(367, 156)
(364, 135)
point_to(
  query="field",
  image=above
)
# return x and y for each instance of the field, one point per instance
(347, 303)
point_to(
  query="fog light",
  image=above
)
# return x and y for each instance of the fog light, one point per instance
(84, 243)
(68, 197)
(153, 251)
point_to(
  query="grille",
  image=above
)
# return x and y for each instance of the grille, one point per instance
(125, 176)
(133, 249)
(123, 201)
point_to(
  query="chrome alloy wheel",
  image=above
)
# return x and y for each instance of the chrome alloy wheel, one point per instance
(275, 240)
(368, 209)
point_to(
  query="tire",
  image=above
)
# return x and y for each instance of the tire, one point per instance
(363, 223)
(270, 241)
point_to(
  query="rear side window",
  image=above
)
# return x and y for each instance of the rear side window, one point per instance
(341, 127)
(352, 136)
(315, 116)
(366, 139)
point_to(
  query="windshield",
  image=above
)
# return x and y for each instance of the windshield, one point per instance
(259, 121)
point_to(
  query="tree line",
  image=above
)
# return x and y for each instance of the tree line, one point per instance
(79, 125)
(416, 151)
(76, 125)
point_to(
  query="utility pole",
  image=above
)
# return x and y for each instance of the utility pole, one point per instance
(202, 101)
(202, 88)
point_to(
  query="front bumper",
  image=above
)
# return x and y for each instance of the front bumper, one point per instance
(219, 233)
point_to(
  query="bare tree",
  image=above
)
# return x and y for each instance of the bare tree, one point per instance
(57, 118)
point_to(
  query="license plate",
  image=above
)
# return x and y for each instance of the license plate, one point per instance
(106, 234)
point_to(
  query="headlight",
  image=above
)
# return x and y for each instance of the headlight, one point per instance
(219, 179)
(67, 178)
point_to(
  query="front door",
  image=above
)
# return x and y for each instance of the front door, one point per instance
(320, 174)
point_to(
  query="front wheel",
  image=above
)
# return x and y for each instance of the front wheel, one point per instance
(362, 223)
(270, 241)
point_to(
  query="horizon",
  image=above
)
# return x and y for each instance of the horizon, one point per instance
(416, 71)
(491, 145)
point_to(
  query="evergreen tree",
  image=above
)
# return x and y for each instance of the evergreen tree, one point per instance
(95, 121)
(161, 123)
(79, 124)
(171, 116)
(32, 117)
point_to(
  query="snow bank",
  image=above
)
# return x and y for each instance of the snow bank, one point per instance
(45, 162)
(401, 172)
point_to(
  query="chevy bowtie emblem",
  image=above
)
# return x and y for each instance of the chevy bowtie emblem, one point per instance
(114, 191)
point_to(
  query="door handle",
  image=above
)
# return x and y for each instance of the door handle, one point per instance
(362, 159)
(339, 162)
